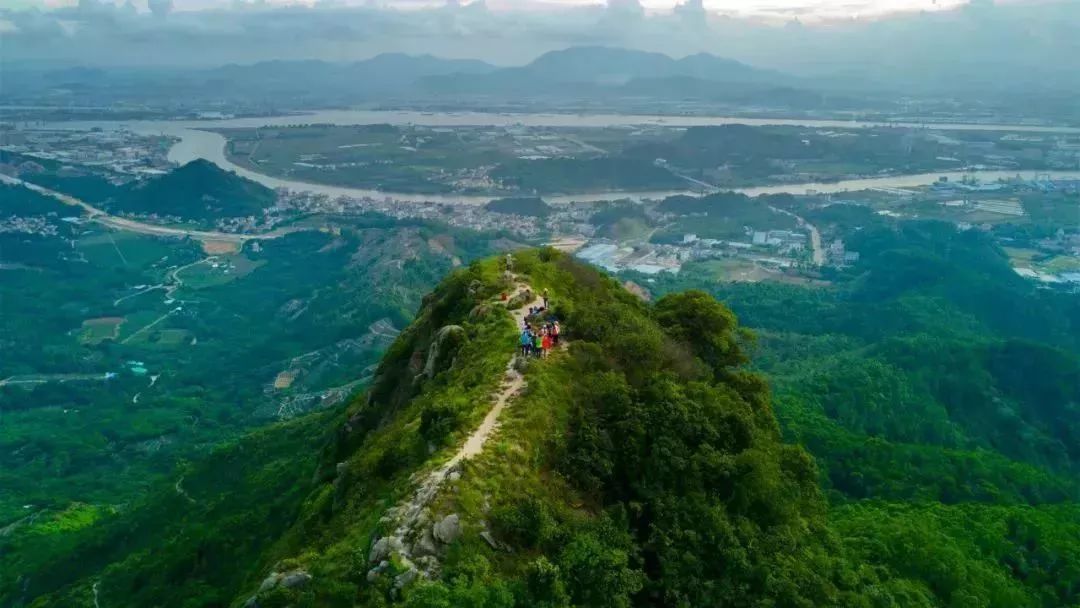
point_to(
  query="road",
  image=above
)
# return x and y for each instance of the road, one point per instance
(817, 251)
(151, 324)
(44, 378)
(102, 217)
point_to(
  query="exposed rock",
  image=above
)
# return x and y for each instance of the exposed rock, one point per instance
(405, 578)
(637, 290)
(297, 578)
(270, 582)
(521, 299)
(252, 602)
(490, 540)
(429, 566)
(448, 530)
(454, 475)
(425, 545)
(384, 548)
(443, 348)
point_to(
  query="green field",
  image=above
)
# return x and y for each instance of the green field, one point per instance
(1061, 263)
(162, 339)
(113, 248)
(95, 331)
(217, 270)
(136, 321)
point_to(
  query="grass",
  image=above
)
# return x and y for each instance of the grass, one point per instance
(1062, 263)
(136, 321)
(162, 339)
(1019, 256)
(76, 517)
(96, 331)
(229, 268)
(732, 270)
(113, 248)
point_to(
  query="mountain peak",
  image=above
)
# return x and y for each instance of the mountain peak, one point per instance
(198, 189)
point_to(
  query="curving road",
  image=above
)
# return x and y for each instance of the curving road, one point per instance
(102, 217)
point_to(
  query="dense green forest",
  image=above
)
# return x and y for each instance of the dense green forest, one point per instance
(552, 175)
(125, 355)
(199, 191)
(530, 207)
(940, 396)
(651, 463)
(219, 193)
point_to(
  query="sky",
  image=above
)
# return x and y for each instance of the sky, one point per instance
(803, 9)
(914, 42)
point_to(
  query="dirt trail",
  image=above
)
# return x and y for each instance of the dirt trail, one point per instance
(408, 515)
(512, 385)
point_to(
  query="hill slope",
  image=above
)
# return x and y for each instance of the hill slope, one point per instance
(641, 465)
(198, 190)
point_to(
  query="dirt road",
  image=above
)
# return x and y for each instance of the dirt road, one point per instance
(102, 217)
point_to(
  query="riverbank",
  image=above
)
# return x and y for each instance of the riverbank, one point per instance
(195, 142)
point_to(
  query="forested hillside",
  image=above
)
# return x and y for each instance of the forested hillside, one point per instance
(199, 190)
(940, 396)
(642, 465)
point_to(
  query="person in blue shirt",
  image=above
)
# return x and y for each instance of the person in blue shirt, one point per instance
(526, 342)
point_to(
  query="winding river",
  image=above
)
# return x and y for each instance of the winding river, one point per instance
(196, 143)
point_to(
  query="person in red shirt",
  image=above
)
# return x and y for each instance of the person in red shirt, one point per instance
(546, 342)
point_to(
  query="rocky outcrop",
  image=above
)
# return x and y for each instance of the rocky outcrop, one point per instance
(290, 580)
(448, 529)
(444, 346)
(384, 548)
(521, 299)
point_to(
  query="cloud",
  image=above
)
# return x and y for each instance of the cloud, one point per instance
(1002, 44)
(160, 8)
(626, 8)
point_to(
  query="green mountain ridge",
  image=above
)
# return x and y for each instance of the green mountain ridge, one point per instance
(642, 465)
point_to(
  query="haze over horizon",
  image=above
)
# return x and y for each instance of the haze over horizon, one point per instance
(807, 10)
(965, 43)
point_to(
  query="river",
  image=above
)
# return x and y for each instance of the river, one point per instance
(541, 119)
(197, 143)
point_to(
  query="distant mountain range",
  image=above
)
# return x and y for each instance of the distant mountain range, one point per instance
(578, 72)
(603, 68)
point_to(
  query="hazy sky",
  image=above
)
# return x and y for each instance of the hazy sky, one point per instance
(804, 9)
(911, 43)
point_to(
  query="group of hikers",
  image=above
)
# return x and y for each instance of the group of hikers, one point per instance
(538, 338)
(541, 330)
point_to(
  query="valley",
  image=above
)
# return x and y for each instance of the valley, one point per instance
(784, 314)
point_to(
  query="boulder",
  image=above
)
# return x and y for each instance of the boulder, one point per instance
(425, 545)
(448, 530)
(296, 578)
(270, 582)
(443, 348)
(384, 548)
(403, 579)
(519, 300)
